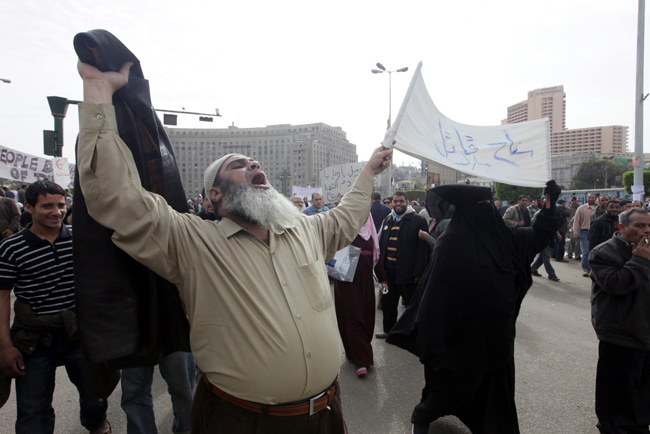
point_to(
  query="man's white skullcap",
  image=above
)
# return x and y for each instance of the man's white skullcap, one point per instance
(211, 172)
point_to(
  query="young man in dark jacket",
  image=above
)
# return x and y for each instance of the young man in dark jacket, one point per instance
(620, 314)
(604, 226)
(402, 253)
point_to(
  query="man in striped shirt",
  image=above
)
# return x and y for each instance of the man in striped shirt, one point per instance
(37, 264)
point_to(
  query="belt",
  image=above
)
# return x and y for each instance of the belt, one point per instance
(308, 406)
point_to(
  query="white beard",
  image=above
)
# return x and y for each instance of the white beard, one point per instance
(262, 207)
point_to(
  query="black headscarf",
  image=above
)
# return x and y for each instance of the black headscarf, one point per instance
(481, 218)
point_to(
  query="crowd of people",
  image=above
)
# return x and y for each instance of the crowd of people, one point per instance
(265, 331)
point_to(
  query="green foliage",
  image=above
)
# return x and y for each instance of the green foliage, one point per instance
(506, 192)
(591, 174)
(628, 181)
(412, 195)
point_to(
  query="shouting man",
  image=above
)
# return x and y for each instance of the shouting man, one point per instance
(254, 284)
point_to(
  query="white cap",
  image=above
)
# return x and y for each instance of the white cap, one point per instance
(211, 173)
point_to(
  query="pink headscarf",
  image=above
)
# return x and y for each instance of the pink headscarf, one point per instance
(368, 230)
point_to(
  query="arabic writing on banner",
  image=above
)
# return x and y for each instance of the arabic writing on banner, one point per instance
(518, 154)
(337, 180)
(306, 191)
(22, 167)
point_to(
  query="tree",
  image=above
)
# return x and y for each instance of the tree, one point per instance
(591, 174)
(628, 181)
(507, 192)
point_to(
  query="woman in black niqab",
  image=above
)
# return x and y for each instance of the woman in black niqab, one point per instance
(461, 321)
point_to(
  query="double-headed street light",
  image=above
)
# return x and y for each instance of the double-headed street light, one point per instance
(5, 80)
(381, 70)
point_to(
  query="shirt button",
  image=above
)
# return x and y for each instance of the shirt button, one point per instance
(284, 282)
(100, 117)
(308, 354)
(298, 316)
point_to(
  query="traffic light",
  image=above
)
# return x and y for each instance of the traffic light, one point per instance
(49, 143)
(170, 119)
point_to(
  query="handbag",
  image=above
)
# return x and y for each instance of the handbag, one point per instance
(344, 264)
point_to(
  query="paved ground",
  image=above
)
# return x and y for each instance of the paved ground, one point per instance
(556, 352)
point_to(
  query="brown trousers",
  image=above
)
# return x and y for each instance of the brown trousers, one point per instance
(212, 414)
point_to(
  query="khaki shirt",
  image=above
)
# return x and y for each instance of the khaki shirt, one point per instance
(582, 218)
(263, 326)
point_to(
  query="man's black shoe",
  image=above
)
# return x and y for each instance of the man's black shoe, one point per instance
(535, 273)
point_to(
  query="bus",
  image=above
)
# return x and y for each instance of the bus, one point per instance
(582, 194)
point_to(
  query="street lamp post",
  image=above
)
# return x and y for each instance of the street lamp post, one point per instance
(53, 140)
(5, 80)
(381, 70)
(285, 175)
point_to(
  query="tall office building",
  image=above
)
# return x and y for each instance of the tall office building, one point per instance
(299, 151)
(550, 102)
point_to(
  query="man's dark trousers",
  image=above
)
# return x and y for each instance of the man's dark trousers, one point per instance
(622, 389)
(390, 301)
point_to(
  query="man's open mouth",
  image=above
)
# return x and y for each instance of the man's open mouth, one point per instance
(259, 180)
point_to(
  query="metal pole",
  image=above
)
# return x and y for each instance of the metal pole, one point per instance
(390, 103)
(638, 122)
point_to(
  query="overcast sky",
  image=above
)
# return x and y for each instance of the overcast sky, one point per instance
(295, 62)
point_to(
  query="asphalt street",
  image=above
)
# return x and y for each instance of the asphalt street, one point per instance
(556, 354)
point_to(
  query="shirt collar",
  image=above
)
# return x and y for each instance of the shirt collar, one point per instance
(231, 227)
(33, 240)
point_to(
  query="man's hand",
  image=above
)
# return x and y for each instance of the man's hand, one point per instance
(7, 233)
(423, 235)
(99, 87)
(11, 362)
(379, 161)
(642, 248)
(520, 223)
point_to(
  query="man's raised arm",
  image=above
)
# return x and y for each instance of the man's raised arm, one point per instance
(99, 87)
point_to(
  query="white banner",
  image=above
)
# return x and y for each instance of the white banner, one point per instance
(22, 167)
(518, 154)
(337, 180)
(306, 191)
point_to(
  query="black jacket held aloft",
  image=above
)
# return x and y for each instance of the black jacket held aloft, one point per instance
(128, 316)
(620, 295)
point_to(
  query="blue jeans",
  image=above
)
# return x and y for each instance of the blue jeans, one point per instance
(584, 247)
(544, 257)
(35, 389)
(178, 370)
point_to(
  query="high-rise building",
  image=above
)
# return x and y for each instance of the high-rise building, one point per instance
(299, 151)
(550, 102)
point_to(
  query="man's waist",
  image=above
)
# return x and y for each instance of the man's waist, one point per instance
(308, 406)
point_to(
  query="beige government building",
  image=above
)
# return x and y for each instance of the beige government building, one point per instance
(299, 150)
(550, 102)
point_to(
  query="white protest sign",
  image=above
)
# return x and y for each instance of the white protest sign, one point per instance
(19, 166)
(638, 189)
(61, 173)
(305, 191)
(27, 168)
(518, 154)
(337, 180)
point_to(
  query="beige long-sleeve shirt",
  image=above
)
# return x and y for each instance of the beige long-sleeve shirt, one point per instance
(263, 326)
(582, 218)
